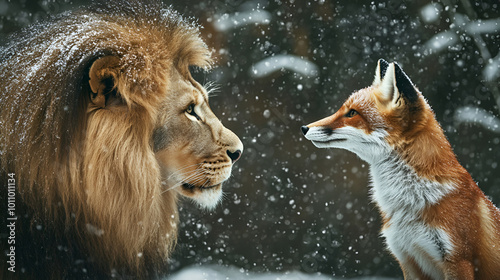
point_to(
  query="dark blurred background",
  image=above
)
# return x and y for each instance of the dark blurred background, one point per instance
(283, 64)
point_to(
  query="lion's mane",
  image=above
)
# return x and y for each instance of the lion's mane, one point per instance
(89, 197)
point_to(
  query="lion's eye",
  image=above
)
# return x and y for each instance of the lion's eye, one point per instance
(190, 110)
(351, 113)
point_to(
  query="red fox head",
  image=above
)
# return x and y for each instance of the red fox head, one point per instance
(375, 121)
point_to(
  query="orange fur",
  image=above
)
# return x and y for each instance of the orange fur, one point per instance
(412, 161)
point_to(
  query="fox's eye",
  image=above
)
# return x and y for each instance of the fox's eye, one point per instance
(190, 110)
(351, 113)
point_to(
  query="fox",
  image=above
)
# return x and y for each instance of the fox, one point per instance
(436, 221)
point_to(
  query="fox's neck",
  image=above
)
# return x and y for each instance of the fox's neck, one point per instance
(417, 173)
(397, 187)
(428, 152)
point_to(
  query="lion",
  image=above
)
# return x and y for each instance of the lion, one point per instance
(102, 126)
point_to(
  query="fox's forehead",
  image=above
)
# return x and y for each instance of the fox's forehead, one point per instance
(366, 102)
(366, 97)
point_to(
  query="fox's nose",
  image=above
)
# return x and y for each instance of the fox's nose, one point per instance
(304, 129)
(234, 156)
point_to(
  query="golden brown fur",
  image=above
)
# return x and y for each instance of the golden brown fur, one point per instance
(87, 105)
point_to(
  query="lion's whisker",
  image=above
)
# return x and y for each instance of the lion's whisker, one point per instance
(211, 88)
(180, 174)
(196, 176)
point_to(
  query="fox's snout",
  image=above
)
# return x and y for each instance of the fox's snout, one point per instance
(304, 129)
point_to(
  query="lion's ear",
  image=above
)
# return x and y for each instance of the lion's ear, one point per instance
(103, 75)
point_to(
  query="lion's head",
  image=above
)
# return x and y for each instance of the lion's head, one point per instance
(103, 125)
(194, 149)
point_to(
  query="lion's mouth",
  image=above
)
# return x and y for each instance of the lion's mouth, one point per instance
(191, 187)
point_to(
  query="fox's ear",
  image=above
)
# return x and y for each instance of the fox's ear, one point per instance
(388, 84)
(405, 85)
(396, 87)
(380, 72)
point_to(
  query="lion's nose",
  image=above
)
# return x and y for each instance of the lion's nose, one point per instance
(234, 156)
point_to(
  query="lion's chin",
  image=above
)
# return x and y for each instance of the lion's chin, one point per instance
(206, 197)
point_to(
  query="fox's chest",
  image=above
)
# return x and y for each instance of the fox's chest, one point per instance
(401, 196)
(413, 242)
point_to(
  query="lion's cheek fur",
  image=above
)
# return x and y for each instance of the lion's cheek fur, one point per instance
(121, 176)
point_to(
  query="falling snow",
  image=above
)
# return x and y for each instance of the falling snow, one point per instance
(291, 211)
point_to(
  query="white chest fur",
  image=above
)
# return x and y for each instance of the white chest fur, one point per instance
(402, 195)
